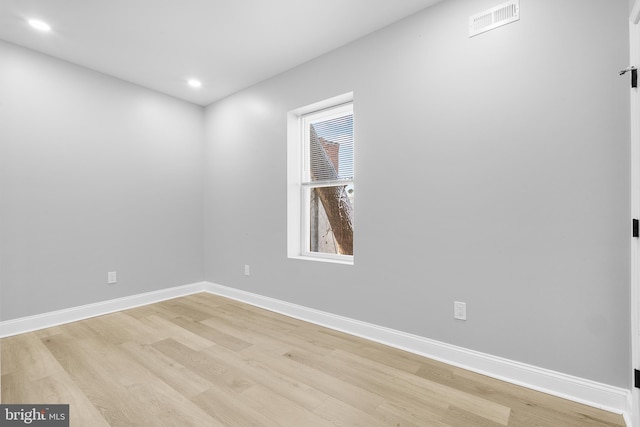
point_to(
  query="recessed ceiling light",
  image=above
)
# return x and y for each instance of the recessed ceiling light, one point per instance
(194, 83)
(39, 25)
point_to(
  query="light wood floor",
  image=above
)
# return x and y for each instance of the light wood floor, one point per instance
(203, 360)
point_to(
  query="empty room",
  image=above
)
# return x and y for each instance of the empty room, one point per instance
(320, 213)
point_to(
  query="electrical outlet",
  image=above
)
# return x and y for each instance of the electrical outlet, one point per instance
(460, 310)
(111, 278)
(246, 270)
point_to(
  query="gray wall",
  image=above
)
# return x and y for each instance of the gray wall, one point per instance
(96, 175)
(492, 170)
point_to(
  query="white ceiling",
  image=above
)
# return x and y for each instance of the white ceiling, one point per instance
(227, 44)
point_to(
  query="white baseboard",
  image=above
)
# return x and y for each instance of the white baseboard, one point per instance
(54, 318)
(629, 412)
(613, 399)
(609, 398)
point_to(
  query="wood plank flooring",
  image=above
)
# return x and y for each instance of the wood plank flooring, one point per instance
(204, 360)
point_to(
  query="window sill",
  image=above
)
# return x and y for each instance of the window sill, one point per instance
(345, 261)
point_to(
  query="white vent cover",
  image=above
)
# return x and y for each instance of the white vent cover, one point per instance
(495, 17)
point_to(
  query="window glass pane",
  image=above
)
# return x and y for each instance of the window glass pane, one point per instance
(331, 220)
(331, 149)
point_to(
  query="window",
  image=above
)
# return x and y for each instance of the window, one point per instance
(321, 181)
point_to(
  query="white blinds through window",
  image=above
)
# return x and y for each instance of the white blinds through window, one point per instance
(330, 146)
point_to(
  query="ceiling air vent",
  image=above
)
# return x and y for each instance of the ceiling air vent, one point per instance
(495, 17)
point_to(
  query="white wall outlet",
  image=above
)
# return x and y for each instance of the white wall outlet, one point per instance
(460, 310)
(246, 270)
(112, 278)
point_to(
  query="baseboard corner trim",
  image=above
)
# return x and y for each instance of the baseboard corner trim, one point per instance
(629, 411)
(46, 320)
(588, 392)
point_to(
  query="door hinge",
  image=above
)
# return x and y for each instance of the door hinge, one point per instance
(634, 75)
(636, 378)
(636, 228)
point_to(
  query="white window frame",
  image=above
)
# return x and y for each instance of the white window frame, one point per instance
(297, 191)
